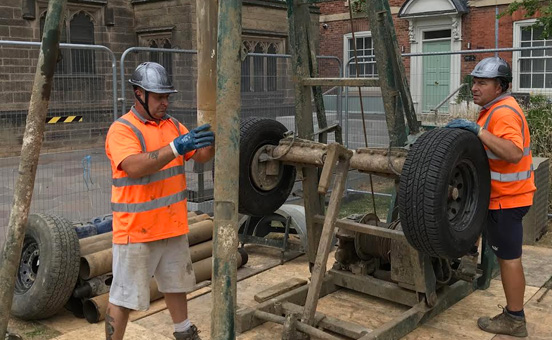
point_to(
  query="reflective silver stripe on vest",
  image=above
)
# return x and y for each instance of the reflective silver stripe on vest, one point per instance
(176, 124)
(515, 176)
(515, 111)
(137, 132)
(149, 205)
(512, 177)
(158, 176)
(491, 155)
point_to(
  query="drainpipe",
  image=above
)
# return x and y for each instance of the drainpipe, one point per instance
(227, 146)
(30, 151)
(206, 61)
(496, 30)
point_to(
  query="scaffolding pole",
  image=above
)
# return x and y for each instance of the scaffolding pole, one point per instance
(227, 146)
(206, 13)
(30, 151)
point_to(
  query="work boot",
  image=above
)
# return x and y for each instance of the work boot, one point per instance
(191, 334)
(504, 323)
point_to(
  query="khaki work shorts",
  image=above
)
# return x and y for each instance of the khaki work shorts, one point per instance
(134, 264)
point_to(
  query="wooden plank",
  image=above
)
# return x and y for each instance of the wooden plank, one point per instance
(328, 231)
(280, 288)
(372, 286)
(353, 82)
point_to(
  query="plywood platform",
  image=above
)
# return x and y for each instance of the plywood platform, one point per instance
(458, 322)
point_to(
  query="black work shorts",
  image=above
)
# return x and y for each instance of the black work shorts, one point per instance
(505, 232)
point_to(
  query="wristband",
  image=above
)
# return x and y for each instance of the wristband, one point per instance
(173, 148)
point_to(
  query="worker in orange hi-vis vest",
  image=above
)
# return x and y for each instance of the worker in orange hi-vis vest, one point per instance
(503, 130)
(148, 148)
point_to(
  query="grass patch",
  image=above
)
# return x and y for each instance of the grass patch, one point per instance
(362, 204)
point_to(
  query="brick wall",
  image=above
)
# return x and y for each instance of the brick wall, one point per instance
(478, 28)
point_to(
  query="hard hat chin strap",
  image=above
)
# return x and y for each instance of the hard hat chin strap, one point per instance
(144, 104)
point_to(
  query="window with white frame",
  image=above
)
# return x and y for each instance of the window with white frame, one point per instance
(365, 55)
(532, 68)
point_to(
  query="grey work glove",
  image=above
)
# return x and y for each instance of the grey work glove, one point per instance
(466, 125)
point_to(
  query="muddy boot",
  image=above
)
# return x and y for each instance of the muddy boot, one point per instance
(504, 323)
(190, 334)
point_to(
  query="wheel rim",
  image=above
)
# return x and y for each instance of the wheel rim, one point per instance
(28, 266)
(462, 195)
(262, 180)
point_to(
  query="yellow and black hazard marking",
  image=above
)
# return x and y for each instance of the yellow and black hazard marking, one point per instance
(63, 119)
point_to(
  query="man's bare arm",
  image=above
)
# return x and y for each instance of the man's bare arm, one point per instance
(503, 148)
(147, 163)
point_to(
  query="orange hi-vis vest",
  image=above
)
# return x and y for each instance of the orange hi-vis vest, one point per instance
(512, 185)
(152, 207)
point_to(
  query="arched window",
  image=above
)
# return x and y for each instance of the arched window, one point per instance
(258, 69)
(271, 69)
(80, 31)
(260, 73)
(162, 58)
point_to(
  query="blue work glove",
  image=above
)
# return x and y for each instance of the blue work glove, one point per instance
(195, 139)
(466, 125)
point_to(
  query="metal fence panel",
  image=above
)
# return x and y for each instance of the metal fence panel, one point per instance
(73, 173)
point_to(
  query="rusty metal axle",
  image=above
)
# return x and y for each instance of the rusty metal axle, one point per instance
(302, 152)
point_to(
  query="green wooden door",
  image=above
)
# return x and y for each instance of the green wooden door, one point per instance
(436, 75)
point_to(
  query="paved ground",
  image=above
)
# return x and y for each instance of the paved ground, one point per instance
(458, 322)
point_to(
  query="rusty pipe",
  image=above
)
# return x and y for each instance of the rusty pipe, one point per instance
(95, 286)
(200, 232)
(198, 218)
(100, 242)
(87, 241)
(377, 161)
(99, 245)
(206, 15)
(96, 264)
(100, 263)
(94, 308)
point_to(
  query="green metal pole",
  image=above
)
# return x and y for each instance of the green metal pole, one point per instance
(30, 151)
(225, 235)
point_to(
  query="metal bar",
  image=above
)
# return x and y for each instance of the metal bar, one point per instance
(206, 14)
(348, 329)
(225, 234)
(30, 151)
(365, 228)
(479, 51)
(360, 82)
(246, 319)
(299, 325)
(449, 96)
(328, 232)
(377, 161)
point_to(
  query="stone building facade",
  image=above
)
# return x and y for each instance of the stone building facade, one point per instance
(83, 83)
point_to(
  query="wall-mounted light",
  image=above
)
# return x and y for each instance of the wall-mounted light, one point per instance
(402, 48)
(469, 45)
